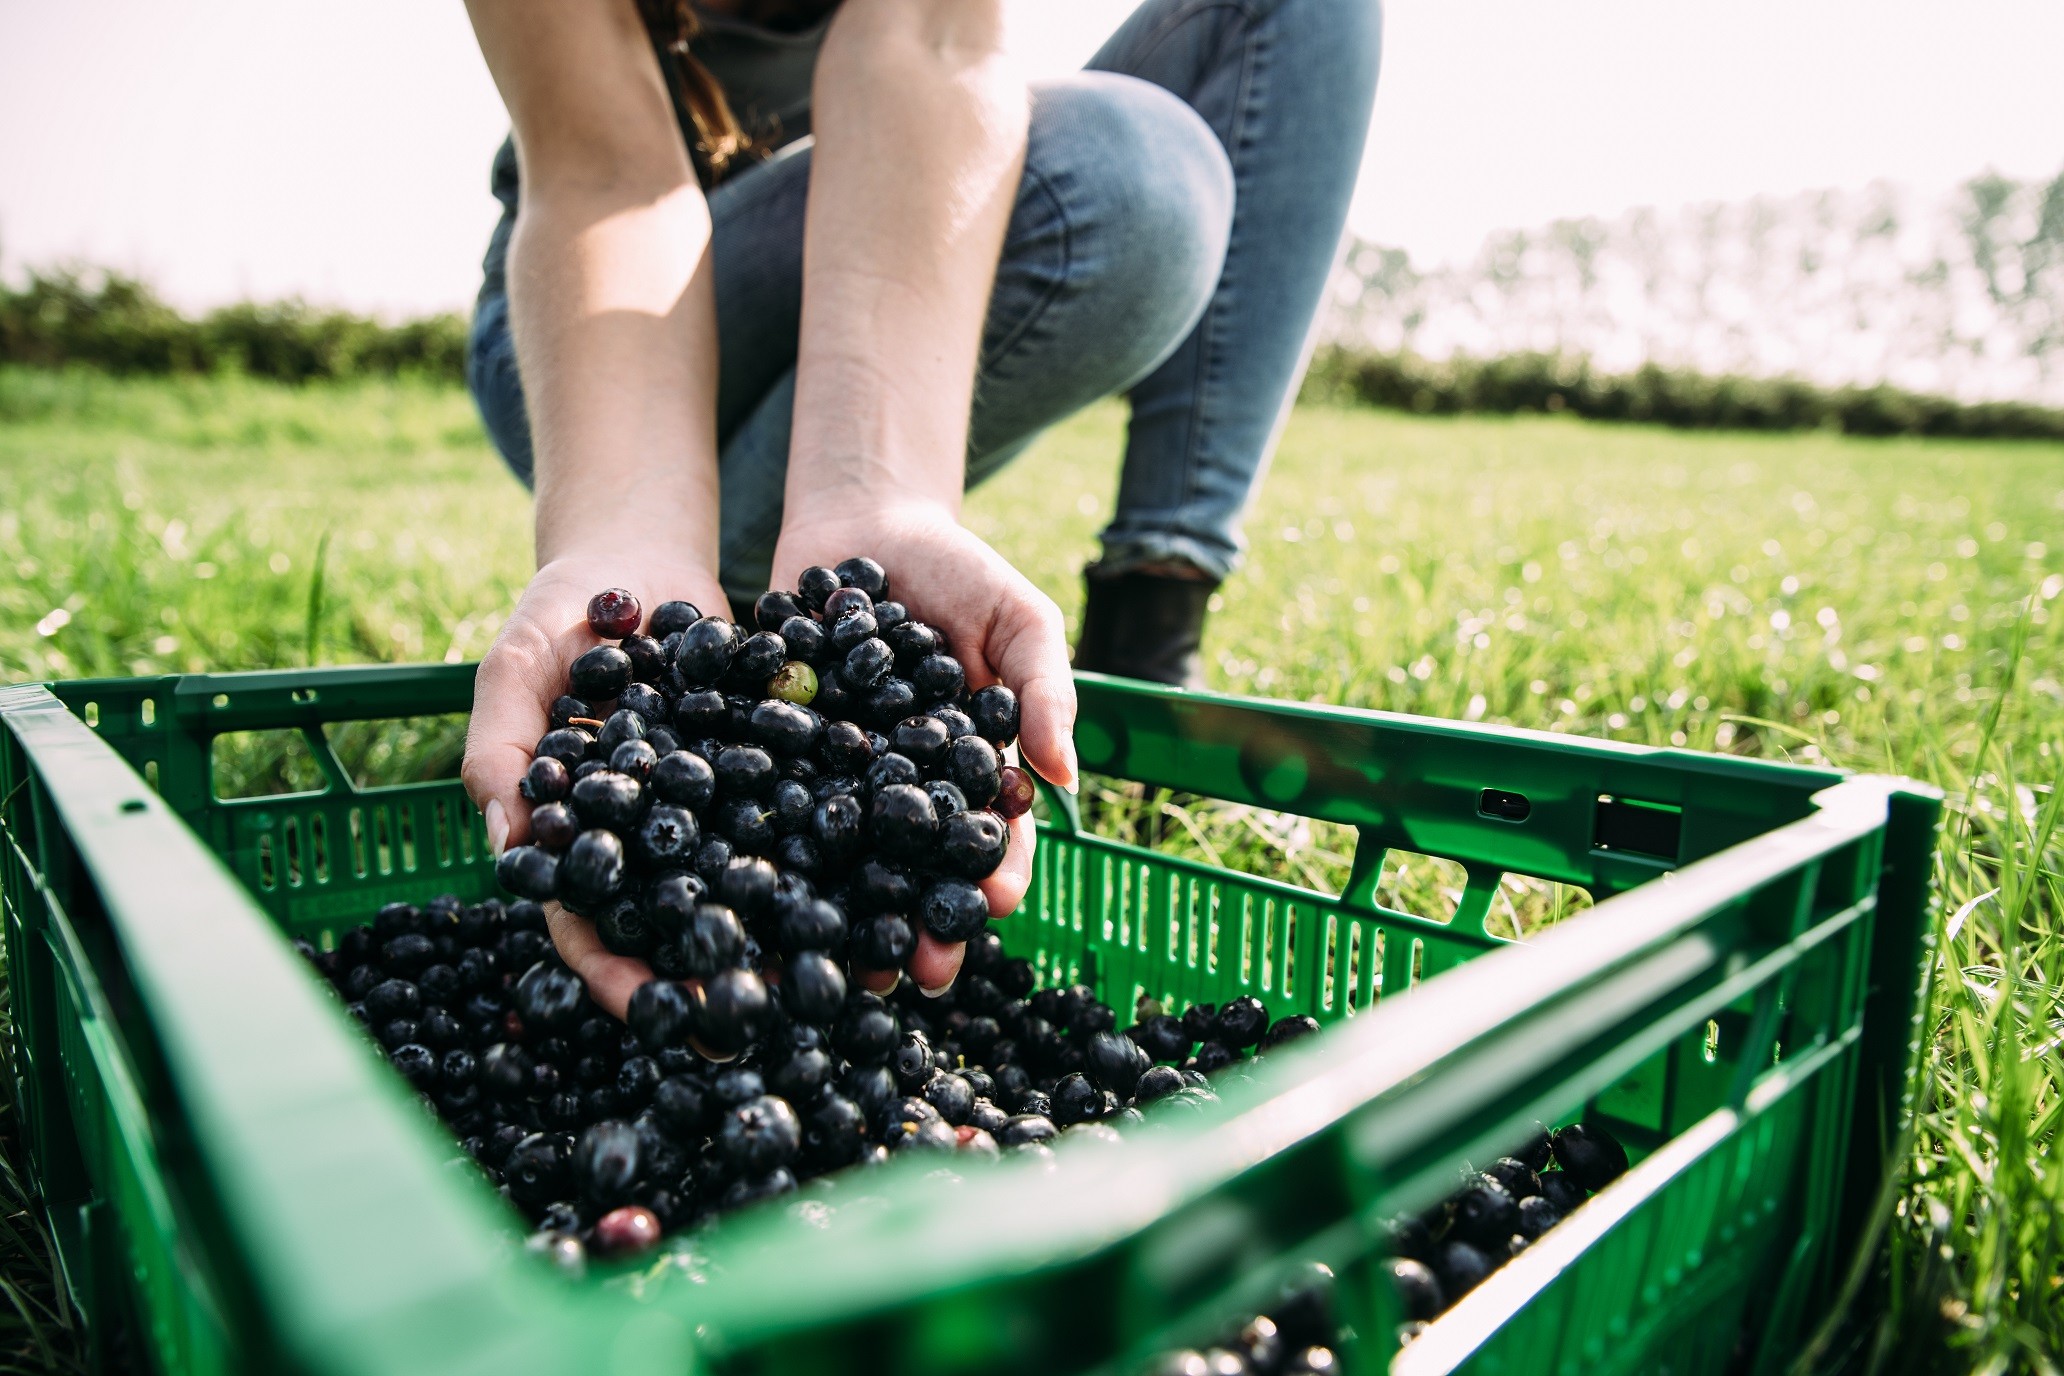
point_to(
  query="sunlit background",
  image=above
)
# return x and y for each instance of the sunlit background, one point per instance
(339, 153)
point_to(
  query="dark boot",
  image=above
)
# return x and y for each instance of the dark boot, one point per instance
(1144, 624)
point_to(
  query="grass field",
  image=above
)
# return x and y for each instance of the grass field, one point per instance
(1883, 605)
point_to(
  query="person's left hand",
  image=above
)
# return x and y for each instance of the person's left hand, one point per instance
(1000, 627)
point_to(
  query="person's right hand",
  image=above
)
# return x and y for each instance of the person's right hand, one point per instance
(512, 699)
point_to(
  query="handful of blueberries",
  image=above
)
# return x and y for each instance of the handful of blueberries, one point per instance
(832, 765)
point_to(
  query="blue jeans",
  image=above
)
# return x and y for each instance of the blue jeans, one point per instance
(1181, 209)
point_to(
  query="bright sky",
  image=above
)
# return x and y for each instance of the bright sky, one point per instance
(267, 147)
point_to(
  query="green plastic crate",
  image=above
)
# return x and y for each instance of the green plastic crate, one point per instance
(237, 1183)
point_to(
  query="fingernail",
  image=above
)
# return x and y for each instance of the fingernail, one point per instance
(497, 827)
(1074, 767)
(938, 992)
(891, 986)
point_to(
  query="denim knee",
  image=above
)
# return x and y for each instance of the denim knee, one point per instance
(1148, 194)
(497, 386)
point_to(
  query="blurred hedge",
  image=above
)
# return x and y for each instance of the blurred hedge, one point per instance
(1520, 383)
(108, 321)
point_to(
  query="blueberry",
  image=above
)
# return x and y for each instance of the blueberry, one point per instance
(636, 1078)
(846, 748)
(1240, 1022)
(707, 649)
(683, 780)
(1163, 1038)
(1157, 1082)
(1199, 1020)
(892, 768)
(851, 628)
(626, 1231)
(810, 925)
(889, 701)
(839, 826)
(744, 771)
(972, 845)
(529, 872)
(1213, 1057)
(835, 1132)
(1518, 1178)
(750, 886)
(954, 910)
(671, 901)
(1592, 1156)
(867, 1032)
(747, 824)
(814, 988)
(792, 806)
(1536, 1216)
(864, 666)
(922, 740)
(1076, 1100)
(549, 996)
(537, 1169)
(1117, 1063)
(1418, 1289)
(660, 1014)
(547, 780)
(667, 838)
(951, 1095)
(1462, 1267)
(731, 1011)
(634, 759)
(417, 1064)
(506, 1071)
(879, 887)
(622, 725)
(672, 618)
(1022, 1128)
(890, 614)
(713, 940)
(938, 678)
(760, 1135)
(608, 799)
(565, 708)
(947, 801)
(976, 769)
(614, 613)
(1284, 1030)
(606, 1164)
(599, 674)
(803, 1078)
(570, 745)
(1485, 1214)
(701, 714)
(994, 711)
(864, 574)
(773, 608)
(912, 1062)
(806, 639)
(845, 602)
(912, 642)
(682, 1107)
(903, 822)
(1561, 1190)
(760, 657)
(883, 942)
(593, 871)
(814, 585)
(408, 954)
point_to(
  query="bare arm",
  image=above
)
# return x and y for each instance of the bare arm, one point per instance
(921, 128)
(614, 319)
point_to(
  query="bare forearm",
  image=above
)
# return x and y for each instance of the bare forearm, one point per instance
(615, 326)
(921, 139)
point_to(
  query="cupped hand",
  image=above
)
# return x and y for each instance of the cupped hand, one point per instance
(512, 699)
(1000, 627)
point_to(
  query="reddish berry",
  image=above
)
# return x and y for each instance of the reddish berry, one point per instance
(614, 614)
(1014, 798)
(626, 1232)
